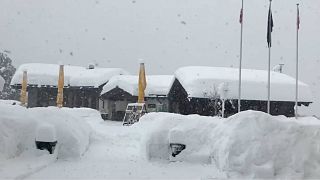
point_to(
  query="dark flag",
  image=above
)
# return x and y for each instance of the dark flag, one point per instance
(298, 19)
(241, 16)
(270, 26)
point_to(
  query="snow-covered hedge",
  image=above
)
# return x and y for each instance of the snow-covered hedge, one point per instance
(249, 144)
(18, 130)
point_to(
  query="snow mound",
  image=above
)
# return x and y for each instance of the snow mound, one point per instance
(161, 129)
(249, 144)
(46, 133)
(18, 130)
(255, 144)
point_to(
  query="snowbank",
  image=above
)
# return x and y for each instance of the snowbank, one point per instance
(161, 129)
(201, 82)
(18, 130)
(249, 144)
(47, 74)
(255, 144)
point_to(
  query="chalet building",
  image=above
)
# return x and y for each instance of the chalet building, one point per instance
(82, 86)
(121, 90)
(201, 90)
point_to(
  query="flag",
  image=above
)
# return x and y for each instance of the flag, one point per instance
(270, 26)
(60, 87)
(298, 19)
(241, 16)
(23, 96)
(142, 83)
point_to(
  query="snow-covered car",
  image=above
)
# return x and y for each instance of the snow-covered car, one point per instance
(46, 138)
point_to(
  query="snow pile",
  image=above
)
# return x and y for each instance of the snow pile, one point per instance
(304, 111)
(156, 84)
(249, 144)
(9, 102)
(1, 83)
(46, 133)
(161, 129)
(18, 130)
(255, 144)
(87, 114)
(201, 82)
(47, 74)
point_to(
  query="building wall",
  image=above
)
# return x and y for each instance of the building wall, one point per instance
(157, 104)
(73, 97)
(180, 103)
(114, 109)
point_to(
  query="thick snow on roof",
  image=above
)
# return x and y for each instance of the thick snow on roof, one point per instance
(156, 84)
(1, 83)
(204, 82)
(47, 74)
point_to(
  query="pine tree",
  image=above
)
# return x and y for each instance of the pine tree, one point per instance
(7, 70)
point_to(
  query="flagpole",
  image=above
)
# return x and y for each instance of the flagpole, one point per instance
(297, 62)
(269, 59)
(240, 61)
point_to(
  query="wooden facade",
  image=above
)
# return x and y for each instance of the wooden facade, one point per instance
(179, 102)
(114, 103)
(44, 96)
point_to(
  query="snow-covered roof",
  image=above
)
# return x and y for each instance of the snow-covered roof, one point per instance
(203, 82)
(157, 85)
(1, 83)
(47, 74)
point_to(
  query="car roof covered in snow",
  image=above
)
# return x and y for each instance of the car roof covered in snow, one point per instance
(47, 75)
(157, 85)
(204, 82)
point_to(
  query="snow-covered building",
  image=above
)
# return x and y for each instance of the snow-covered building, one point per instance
(199, 90)
(82, 86)
(121, 90)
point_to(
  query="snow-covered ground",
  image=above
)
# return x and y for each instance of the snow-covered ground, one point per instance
(247, 145)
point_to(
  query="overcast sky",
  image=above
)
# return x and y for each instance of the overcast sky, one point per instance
(167, 34)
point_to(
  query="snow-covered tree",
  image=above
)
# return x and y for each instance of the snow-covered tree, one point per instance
(223, 92)
(214, 99)
(7, 70)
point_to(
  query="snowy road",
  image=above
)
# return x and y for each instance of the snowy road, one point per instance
(114, 153)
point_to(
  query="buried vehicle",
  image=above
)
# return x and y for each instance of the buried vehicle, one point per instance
(46, 138)
(133, 113)
(173, 137)
(176, 145)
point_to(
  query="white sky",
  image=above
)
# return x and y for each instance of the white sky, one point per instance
(166, 33)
